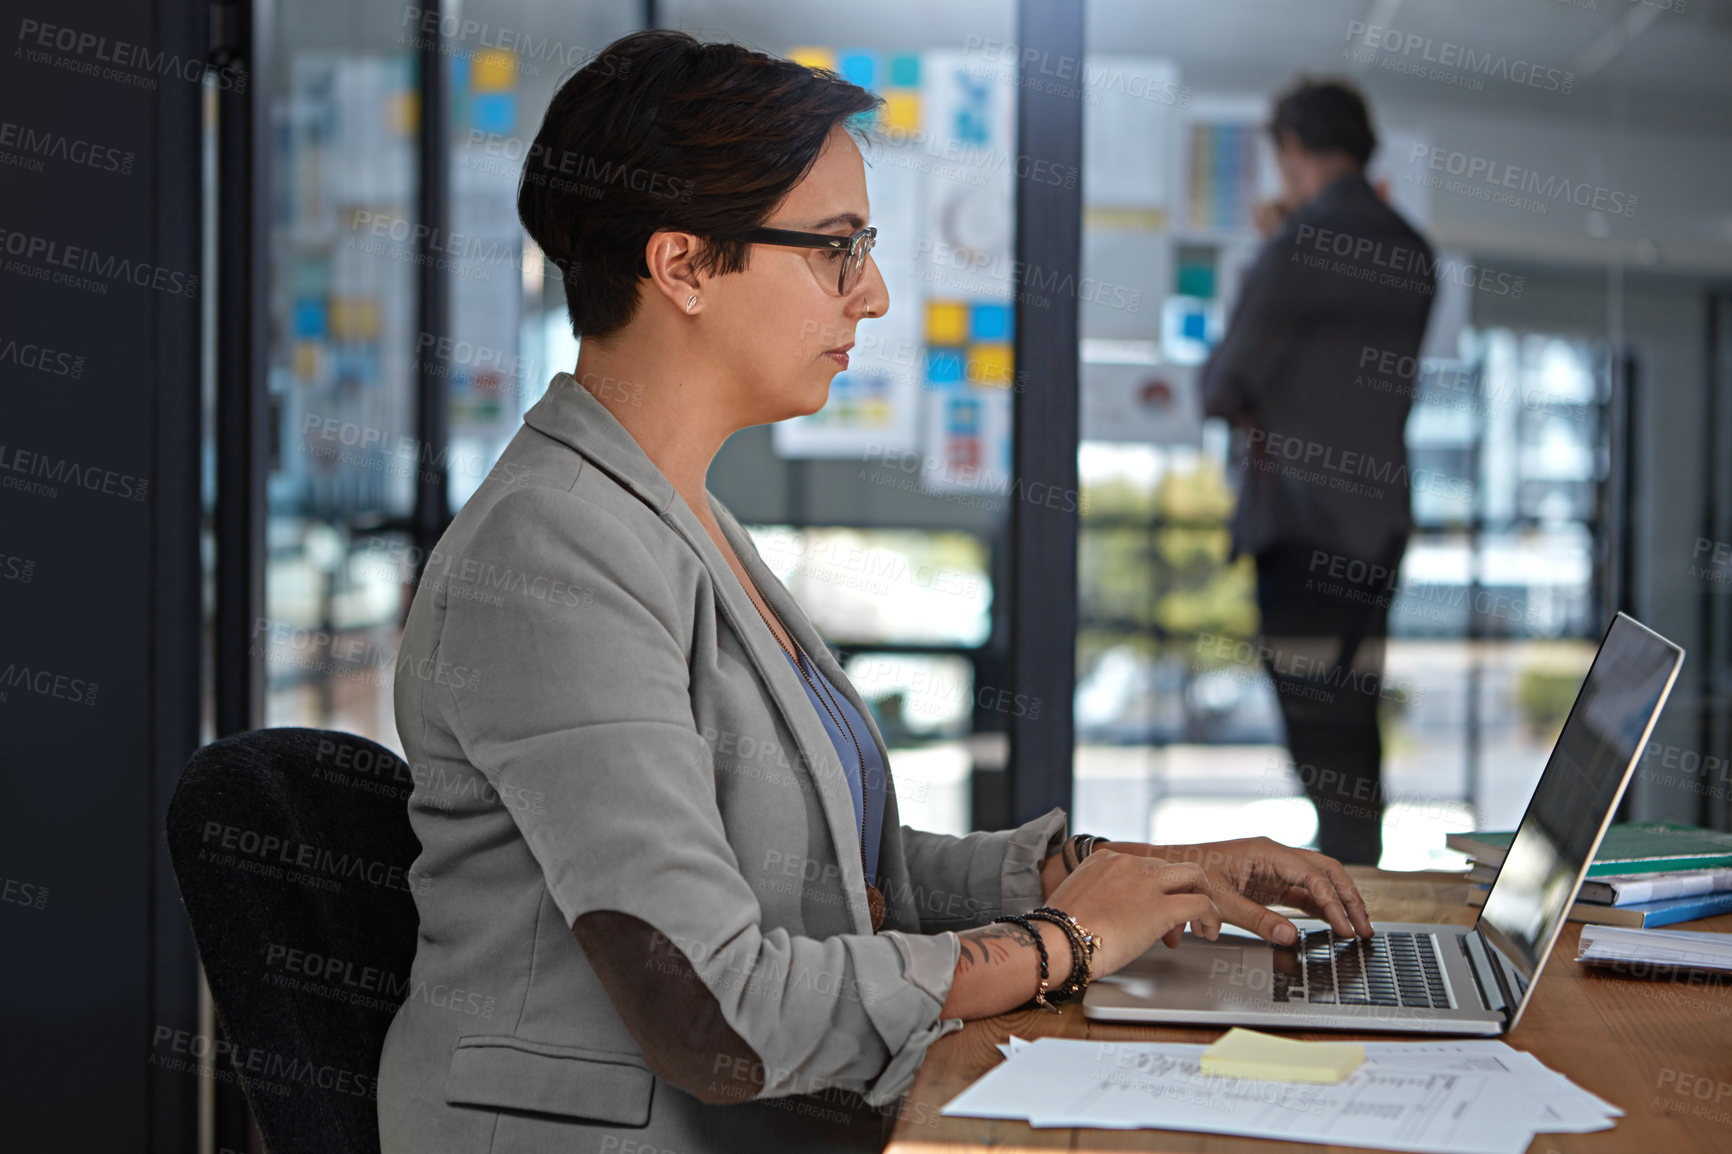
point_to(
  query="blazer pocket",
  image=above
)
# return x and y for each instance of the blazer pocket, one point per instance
(516, 1074)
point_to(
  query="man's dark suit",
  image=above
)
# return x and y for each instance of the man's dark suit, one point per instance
(1340, 293)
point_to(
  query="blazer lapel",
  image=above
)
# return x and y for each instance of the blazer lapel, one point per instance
(570, 413)
(787, 687)
(795, 619)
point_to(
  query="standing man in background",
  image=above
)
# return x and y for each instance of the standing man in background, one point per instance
(1343, 283)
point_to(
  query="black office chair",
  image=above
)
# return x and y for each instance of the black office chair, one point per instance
(292, 850)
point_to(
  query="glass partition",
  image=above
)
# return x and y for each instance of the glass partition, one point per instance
(343, 115)
(1180, 734)
(885, 512)
(346, 348)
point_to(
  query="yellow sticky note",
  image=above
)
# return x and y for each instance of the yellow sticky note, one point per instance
(403, 112)
(493, 70)
(813, 56)
(354, 318)
(902, 109)
(989, 364)
(307, 357)
(1243, 1053)
(946, 322)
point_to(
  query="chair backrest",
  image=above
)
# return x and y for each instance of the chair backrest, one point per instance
(292, 849)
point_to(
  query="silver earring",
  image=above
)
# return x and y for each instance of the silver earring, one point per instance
(693, 301)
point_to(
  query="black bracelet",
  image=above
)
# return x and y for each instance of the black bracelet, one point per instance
(1090, 942)
(1079, 846)
(1069, 987)
(1082, 945)
(1040, 946)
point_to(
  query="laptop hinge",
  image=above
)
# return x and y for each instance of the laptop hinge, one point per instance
(1493, 992)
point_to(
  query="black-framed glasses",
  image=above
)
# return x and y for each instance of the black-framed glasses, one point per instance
(828, 252)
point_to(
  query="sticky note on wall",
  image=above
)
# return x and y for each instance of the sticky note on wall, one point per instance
(493, 70)
(902, 110)
(813, 56)
(1243, 1053)
(989, 364)
(946, 322)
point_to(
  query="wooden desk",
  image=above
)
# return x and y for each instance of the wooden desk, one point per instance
(1662, 1051)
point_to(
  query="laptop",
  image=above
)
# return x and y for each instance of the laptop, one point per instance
(1419, 978)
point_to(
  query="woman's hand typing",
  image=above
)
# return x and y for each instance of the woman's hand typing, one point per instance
(1131, 902)
(1128, 902)
(1249, 874)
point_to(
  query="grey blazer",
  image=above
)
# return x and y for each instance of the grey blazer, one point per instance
(606, 738)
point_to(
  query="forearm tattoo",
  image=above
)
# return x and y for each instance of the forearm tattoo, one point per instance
(993, 943)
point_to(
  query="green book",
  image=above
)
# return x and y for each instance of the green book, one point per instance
(1630, 847)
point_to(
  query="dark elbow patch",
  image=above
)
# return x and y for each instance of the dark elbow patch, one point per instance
(665, 1005)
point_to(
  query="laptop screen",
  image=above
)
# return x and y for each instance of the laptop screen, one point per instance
(1573, 803)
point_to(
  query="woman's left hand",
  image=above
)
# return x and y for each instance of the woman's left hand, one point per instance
(1249, 874)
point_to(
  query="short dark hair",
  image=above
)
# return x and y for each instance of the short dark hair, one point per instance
(661, 131)
(1325, 116)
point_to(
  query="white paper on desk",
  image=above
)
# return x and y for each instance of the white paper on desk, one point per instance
(1563, 1093)
(1160, 1085)
(1491, 1056)
(1574, 1106)
(1470, 1099)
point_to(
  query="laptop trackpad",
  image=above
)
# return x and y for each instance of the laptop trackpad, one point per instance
(1187, 975)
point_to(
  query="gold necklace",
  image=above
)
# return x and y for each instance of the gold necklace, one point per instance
(875, 903)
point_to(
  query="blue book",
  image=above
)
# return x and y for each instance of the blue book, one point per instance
(1642, 915)
(1647, 915)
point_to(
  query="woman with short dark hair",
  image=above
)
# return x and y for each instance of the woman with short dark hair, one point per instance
(669, 905)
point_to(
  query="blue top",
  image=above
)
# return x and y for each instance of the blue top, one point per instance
(866, 788)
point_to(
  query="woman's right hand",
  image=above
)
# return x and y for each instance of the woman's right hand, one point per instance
(1129, 902)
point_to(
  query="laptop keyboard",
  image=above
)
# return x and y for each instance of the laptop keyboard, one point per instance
(1387, 969)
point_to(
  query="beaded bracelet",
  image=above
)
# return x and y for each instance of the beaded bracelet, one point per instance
(1040, 998)
(1091, 942)
(1074, 981)
(1082, 944)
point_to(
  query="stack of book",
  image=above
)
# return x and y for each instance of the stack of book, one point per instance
(1646, 874)
(1656, 953)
